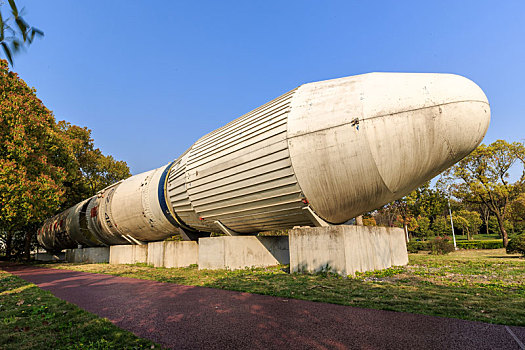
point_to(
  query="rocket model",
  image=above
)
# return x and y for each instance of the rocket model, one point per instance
(318, 155)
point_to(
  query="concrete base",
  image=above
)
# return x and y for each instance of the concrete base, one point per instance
(50, 257)
(88, 255)
(173, 253)
(346, 249)
(128, 254)
(239, 252)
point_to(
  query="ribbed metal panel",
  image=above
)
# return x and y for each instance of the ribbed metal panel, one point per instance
(179, 198)
(240, 175)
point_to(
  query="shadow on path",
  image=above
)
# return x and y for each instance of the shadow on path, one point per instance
(184, 317)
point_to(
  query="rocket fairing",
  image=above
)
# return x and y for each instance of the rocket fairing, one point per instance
(320, 154)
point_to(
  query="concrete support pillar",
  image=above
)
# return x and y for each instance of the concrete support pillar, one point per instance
(180, 254)
(94, 255)
(173, 253)
(128, 254)
(40, 256)
(346, 249)
(156, 254)
(239, 252)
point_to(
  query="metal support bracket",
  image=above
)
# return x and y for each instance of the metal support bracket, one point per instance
(225, 229)
(135, 241)
(316, 220)
(127, 239)
(192, 236)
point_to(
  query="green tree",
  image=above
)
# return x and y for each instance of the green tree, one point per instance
(15, 32)
(423, 227)
(484, 174)
(426, 201)
(494, 225)
(30, 182)
(441, 226)
(44, 166)
(468, 222)
(91, 171)
(409, 211)
(517, 213)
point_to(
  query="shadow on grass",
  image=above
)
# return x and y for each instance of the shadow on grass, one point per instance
(491, 303)
(35, 319)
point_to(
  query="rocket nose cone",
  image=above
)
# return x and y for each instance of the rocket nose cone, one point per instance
(357, 143)
(417, 125)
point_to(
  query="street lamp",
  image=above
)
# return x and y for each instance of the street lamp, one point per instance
(451, 222)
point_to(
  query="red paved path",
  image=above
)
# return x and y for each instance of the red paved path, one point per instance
(183, 317)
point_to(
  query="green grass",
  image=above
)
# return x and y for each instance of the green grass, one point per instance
(479, 237)
(31, 318)
(481, 285)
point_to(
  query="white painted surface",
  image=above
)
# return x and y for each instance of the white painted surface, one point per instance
(410, 128)
(133, 208)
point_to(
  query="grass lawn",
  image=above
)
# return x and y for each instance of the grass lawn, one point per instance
(479, 237)
(32, 318)
(480, 285)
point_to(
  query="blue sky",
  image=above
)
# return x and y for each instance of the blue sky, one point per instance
(150, 78)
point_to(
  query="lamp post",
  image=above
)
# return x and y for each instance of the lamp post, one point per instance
(451, 222)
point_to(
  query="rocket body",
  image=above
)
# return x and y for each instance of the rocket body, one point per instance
(320, 154)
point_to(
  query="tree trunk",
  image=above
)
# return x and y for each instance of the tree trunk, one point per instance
(8, 244)
(486, 217)
(359, 220)
(405, 227)
(27, 244)
(502, 230)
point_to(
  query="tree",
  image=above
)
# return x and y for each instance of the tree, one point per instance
(15, 32)
(484, 174)
(517, 213)
(44, 166)
(426, 201)
(30, 182)
(441, 226)
(423, 227)
(403, 216)
(468, 222)
(406, 221)
(369, 220)
(91, 170)
(385, 216)
(421, 205)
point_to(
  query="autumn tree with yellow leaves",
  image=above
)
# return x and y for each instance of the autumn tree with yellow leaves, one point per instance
(44, 166)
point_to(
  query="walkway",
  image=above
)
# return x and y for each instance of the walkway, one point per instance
(184, 317)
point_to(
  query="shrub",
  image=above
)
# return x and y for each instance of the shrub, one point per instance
(416, 246)
(517, 245)
(441, 245)
(369, 221)
(485, 244)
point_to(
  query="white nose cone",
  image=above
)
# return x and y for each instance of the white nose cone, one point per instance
(360, 142)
